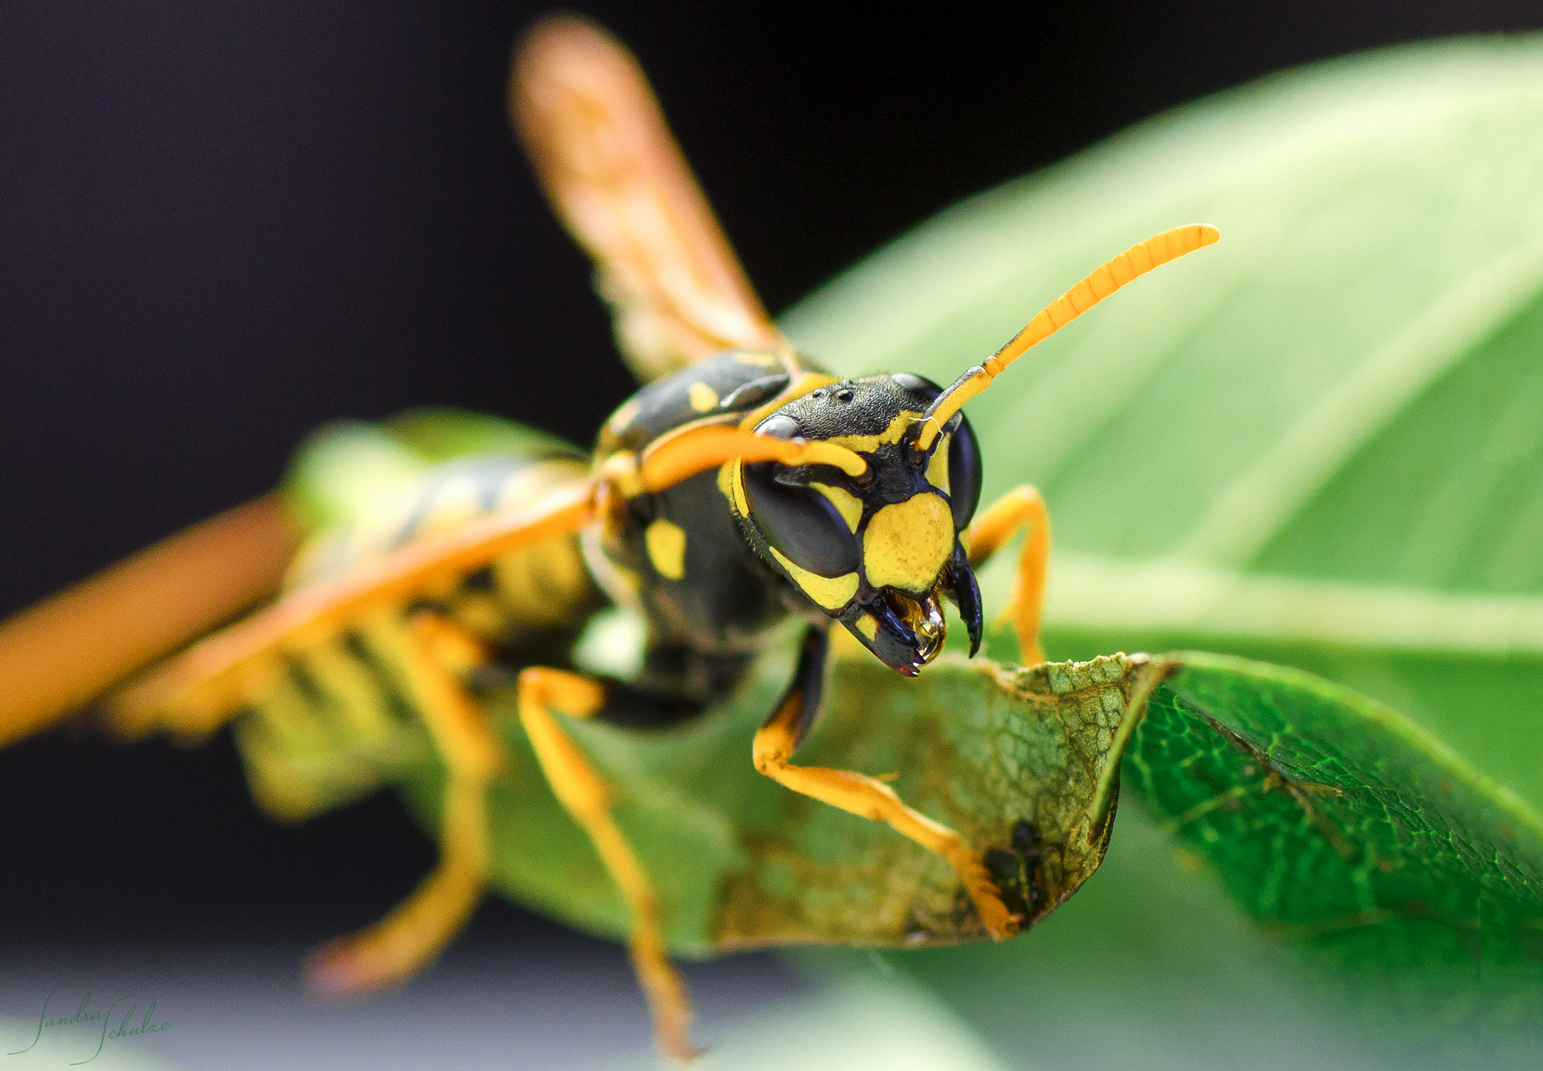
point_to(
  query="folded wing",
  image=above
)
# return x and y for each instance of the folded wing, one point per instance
(619, 183)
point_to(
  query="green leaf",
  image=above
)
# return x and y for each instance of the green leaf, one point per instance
(342, 471)
(1015, 759)
(1319, 442)
(1335, 824)
(1328, 817)
(441, 434)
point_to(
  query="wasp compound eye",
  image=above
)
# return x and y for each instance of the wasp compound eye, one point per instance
(801, 523)
(921, 386)
(964, 473)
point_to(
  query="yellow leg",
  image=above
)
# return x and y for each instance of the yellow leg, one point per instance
(1020, 507)
(872, 799)
(406, 940)
(587, 797)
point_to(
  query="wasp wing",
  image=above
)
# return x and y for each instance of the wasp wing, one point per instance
(194, 692)
(61, 653)
(619, 183)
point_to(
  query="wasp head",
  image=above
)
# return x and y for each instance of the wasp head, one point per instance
(878, 551)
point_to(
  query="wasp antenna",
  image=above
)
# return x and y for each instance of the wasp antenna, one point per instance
(1097, 285)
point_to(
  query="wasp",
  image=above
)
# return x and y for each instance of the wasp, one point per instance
(742, 487)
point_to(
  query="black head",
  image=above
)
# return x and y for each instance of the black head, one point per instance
(876, 551)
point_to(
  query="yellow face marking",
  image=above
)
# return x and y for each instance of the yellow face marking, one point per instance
(906, 544)
(937, 468)
(731, 482)
(623, 417)
(847, 504)
(666, 543)
(867, 444)
(702, 397)
(829, 593)
(725, 480)
(762, 360)
(868, 626)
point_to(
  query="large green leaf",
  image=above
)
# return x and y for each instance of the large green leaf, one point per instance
(1015, 759)
(1334, 823)
(1328, 817)
(1318, 442)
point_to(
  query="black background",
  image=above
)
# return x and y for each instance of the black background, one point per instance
(224, 224)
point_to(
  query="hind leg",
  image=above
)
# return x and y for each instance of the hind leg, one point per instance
(409, 938)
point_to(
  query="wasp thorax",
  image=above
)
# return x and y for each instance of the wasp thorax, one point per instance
(876, 551)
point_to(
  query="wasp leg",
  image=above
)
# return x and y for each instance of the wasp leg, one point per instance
(784, 731)
(1020, 507)
(587, 797)
(414, 933)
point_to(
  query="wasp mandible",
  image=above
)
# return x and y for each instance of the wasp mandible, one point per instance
(740, 487)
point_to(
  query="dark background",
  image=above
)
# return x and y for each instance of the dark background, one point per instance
(224, 224)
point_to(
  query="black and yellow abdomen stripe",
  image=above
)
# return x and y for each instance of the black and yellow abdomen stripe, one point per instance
(335, 718)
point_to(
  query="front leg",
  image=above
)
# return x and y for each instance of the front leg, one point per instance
(784, 731)
(1023, 506)
(587, 797)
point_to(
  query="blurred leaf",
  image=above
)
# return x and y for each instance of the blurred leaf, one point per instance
(1318, 442)
(877, 1021)
(440, 434)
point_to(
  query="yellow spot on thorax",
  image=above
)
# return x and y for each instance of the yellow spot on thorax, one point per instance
(831, 593)
(702, 397)
(847, 504)
(623, 416)
(666, 543)
(907, 543)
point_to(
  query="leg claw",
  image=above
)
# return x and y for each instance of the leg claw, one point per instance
(1000, 923)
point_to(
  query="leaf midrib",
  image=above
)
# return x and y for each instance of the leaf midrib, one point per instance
(1178, 597)
(1263, 501)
